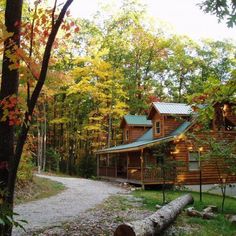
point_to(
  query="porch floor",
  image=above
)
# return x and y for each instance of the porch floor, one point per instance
(133, 181)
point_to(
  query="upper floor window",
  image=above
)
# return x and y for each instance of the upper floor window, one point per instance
(157, 127)
(193, 161)
(126, 135)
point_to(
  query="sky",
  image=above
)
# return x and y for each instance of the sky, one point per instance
(184, 17)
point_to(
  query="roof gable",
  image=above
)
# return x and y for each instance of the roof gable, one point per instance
(134, 120)
(171, 108)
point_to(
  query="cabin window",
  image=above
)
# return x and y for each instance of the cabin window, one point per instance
(157, 127)
(126, 135)
(193, 161)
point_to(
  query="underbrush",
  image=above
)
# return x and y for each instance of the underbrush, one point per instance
(36, 189)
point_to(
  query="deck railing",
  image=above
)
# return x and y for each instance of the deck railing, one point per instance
(150, 175)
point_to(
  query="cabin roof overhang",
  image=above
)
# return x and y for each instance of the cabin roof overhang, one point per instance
(146, 141)
(135, 146)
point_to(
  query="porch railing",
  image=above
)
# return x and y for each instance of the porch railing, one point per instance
(134, 173)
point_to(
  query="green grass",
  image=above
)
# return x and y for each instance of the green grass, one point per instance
(214, 227)
(37, 189)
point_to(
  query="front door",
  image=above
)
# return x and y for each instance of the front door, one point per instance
(122, 167)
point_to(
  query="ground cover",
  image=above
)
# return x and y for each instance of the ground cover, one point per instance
(37, 189)
(196, 226)
(134, 205)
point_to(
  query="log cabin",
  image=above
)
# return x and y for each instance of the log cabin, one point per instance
(158, 149)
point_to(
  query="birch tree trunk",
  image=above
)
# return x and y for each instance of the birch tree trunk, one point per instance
(157, 222)
(44, 136)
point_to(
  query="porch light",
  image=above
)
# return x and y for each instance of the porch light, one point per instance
(200, 149)
(190, 148)
(176, 140)
(175, 152)
(182, 137)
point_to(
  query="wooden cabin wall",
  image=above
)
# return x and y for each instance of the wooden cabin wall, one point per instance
(232, 118)
(210, 174)
(135, 132)
(230, 114)
(171, 124)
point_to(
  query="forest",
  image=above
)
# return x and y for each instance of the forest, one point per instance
(100, 70)
(118, 65)
(67, 82)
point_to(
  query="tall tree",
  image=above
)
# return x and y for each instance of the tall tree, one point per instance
(10, 154)
(223, 9)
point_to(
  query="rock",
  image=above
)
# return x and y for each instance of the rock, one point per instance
(211, 208)
(193, 213)
(131, 198)
(54, 231)
(208, 215)
(232, 219)
(158, 206)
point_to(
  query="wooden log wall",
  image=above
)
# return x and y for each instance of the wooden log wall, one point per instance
(135, 132)
(171, 124)
(210, 174)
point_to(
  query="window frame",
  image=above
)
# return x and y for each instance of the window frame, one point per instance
(126, 135)
(197, 160)
(159, 126)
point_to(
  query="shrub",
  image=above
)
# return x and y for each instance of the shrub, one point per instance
(87, 166)
(25, 171)
(53, 159)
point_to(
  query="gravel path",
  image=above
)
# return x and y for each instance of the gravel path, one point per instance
(80, 195)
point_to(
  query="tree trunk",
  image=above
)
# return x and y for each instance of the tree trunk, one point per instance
(39, 152)
(9, 87)
(44, 129)
(157, 222)
(10, 158)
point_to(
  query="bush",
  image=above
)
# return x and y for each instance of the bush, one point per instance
(53, 159)
(87, 166)
(25, 171)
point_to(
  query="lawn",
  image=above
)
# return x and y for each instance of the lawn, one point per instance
(218, 226)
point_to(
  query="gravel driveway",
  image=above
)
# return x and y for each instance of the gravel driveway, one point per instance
(80, 195)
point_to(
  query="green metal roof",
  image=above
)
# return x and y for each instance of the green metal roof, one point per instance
(137, 120)
(147, 136)
(173, 108)
(183, 127)
(146, 140)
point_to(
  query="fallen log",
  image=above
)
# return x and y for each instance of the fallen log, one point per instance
(157, 222)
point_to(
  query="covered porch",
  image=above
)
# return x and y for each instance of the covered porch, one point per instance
(141, 162)
(137, 167)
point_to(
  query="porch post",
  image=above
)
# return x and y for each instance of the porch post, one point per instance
(107, 162)
(142, 169)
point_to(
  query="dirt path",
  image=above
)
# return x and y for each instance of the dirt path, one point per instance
(80, 195)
